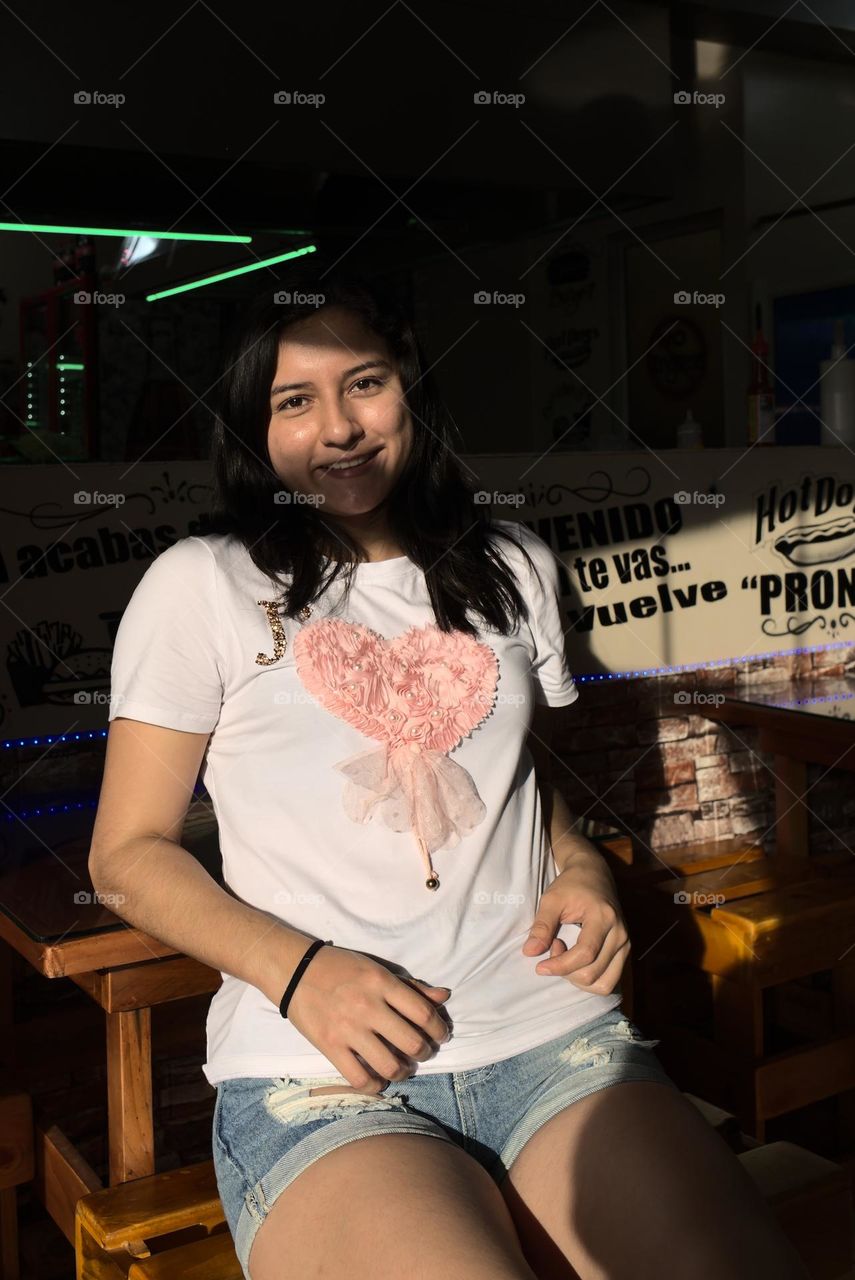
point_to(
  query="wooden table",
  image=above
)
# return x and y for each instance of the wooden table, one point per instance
(799, 722)
(49, 915)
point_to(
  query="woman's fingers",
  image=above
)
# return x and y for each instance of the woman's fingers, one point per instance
(588, 960)
(604, 982)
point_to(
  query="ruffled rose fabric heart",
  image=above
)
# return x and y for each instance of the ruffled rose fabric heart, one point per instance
(420, 695)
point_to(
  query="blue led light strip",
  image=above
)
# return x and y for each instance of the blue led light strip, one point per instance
(55, 737)
(47, 809)
(712, 665)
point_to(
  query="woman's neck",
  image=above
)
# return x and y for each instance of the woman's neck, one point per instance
(377, 542)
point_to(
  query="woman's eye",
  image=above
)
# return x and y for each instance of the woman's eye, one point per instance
(361, 383)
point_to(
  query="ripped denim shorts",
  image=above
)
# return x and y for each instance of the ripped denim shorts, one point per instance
(266, 1131)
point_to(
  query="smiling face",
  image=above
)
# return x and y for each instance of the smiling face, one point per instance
(336, 397)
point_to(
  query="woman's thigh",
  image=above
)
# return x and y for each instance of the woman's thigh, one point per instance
(386, 1206)
(305, 1193)
(631, 1181)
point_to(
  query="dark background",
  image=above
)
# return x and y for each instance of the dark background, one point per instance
(598, 198)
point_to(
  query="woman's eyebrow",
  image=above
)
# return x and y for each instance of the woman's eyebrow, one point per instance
(348, 373)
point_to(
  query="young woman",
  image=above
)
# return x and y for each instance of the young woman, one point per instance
(414, 946)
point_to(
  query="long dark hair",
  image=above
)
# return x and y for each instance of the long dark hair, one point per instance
(431, 510)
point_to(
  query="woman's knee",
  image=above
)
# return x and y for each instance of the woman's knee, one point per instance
(372, 1207)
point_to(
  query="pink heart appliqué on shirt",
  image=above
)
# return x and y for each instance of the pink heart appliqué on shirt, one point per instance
(419, 695)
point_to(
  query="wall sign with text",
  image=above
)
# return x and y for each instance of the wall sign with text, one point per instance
(675, 559)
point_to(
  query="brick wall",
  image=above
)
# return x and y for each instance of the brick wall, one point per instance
(641, 755)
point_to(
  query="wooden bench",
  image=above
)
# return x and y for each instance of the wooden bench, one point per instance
(812, 1199)
(211, 1259)
(133, 1229)
(724, 936)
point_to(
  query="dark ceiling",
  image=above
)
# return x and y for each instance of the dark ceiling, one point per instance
(199, 143)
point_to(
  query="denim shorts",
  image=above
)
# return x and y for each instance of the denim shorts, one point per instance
(267, 1130)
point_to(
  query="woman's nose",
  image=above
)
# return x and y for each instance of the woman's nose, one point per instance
(340, 425)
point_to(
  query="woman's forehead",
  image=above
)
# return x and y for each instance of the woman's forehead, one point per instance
(340, 341)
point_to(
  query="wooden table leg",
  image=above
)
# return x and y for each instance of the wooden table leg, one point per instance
(9, 1258)
(7, 1035)
(791, 828)
(129, 1095)
(843, 987)
(739, 1029)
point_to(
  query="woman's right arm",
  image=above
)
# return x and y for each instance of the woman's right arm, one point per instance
(149, 775)
(344, 1002)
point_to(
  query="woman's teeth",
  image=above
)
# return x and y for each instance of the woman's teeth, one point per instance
(354, 462)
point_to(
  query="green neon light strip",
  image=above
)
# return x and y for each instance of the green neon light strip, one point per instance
(236, 271)
(70, 366)
(112, 231)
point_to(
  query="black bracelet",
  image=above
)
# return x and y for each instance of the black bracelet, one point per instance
(298, 973)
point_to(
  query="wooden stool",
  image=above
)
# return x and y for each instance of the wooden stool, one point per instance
(121, 1231)
(812, 1199)
(211, 1259)
(635, 869)
(16, 1166)
(810, 1196)
(730, 934)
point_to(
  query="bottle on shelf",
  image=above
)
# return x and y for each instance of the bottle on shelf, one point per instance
(761, 399)
(837, 393)
(689, 435)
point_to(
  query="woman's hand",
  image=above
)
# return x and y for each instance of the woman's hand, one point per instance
(348, 1004)
(583, 893)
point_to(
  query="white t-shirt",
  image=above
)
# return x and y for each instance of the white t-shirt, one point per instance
(185, 658)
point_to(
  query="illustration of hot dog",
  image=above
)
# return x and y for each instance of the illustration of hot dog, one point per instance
(810, 544)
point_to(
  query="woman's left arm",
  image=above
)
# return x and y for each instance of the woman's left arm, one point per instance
(583, 892)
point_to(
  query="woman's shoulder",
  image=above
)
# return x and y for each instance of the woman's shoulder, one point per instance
(227, 557)
(197, 549)
(521, 538)
(189, 563)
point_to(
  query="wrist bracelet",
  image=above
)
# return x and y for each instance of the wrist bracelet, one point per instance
(298, 973)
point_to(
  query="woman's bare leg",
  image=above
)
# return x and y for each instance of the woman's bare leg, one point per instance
(394, 1206)
(633, 1182)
